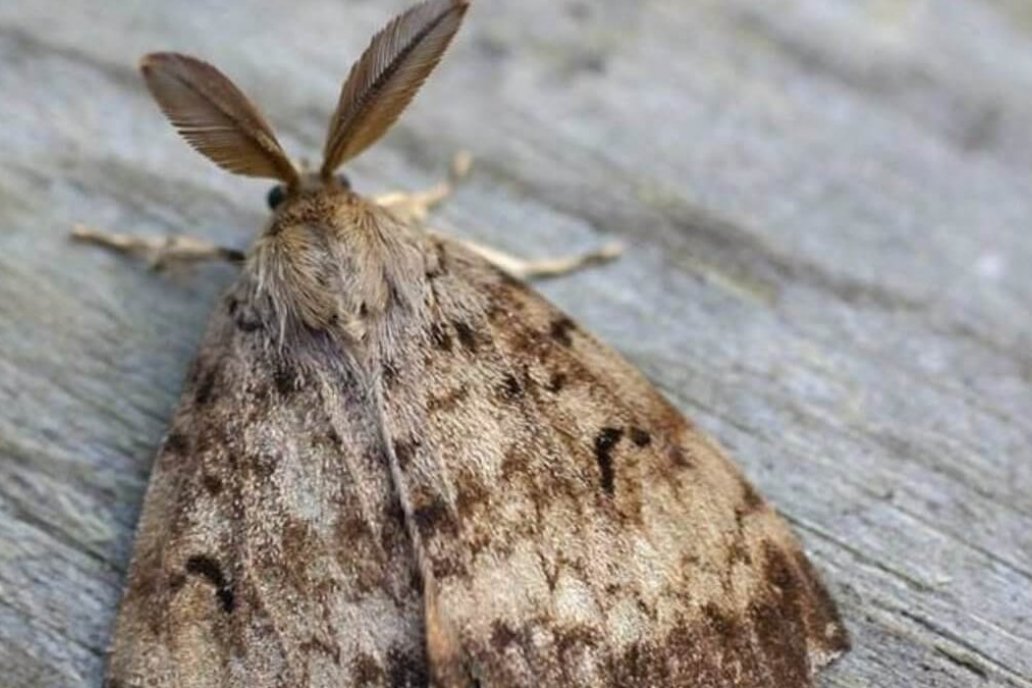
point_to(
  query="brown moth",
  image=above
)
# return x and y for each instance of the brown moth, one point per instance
(394, 464)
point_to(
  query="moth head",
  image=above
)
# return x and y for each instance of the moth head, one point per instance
(219, 121)
(308, 184)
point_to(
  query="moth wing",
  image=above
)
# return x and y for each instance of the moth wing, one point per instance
(576, 530)
(271, 550)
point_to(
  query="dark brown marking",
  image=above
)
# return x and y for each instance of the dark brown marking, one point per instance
(367, 671)
(605, 441)
(318, 645)
(264, 465)
(390, 373)
(471, 495)
(208, 568)
(511, 388)
(449, 400)
(176, 443)
(242, 316)
(680, 458)
(751, 499)
(404, 450)
(776, 621)
(572, 641)
(440, 337)
(514, 462)
(432, 515)
(640, 437)
(205, 391)
(285, 379)
(176, 581)
(502, 636)
(439, 267)
(556, 382)
(821, 613)
(333, 437)
(561, 329)
(467, 337)
(212, 484)
(405, 670)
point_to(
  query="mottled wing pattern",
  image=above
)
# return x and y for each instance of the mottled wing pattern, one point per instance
(271, 549)
(579, 531)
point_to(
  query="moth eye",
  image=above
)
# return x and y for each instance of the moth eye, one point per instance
(344, 181)
(276, 196)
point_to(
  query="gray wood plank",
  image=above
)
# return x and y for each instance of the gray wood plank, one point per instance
(828, 208)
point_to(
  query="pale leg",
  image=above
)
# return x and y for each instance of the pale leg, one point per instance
(162, 251)
(548, 267)
(416, 207)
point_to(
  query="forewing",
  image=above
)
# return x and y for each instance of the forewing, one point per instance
(577, 530)
(271, 550)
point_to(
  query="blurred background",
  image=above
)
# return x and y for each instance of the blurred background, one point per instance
(826, 205)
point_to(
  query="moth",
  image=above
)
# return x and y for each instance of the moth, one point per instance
(395, 464)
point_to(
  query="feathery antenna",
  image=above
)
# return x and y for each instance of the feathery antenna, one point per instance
(387, 76)
(215, 117)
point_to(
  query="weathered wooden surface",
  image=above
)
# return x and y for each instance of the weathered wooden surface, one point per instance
(829, 208)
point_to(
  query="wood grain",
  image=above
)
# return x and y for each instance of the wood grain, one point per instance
(828, 205)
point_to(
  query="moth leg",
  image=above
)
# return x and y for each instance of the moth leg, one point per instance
(549, 267)
(415, 207)
(159, 251)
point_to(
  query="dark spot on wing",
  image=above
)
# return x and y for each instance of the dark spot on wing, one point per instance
(406, 670)
(367, 671)
(431, 516)
(212, 484)
(439, 266)
(604, 443)
(390, 373)
(176, 581)
(315, 644)
(680, 458)
(777, 623)
(819, 611)
(502, 636)
(725, 627)
(467, 337)
(285, 379)
(205, 391)
(751, 500)
(176, 443)
(640, 437)
(449, 400)
(514, 462)
(511, 388)
(208, 568)
(333, 437)
(440, 337)
(242, 315)
(561, 329)
(264, 463)
(556, 382)
(574, 642)
(404, 451)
